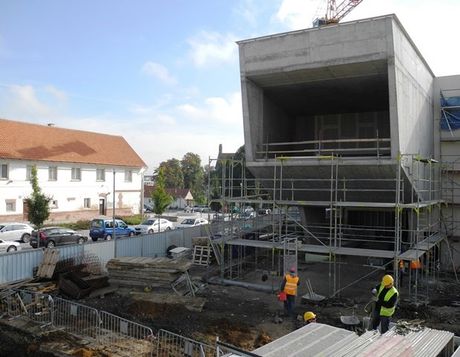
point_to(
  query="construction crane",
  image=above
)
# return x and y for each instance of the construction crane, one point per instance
(335, 13)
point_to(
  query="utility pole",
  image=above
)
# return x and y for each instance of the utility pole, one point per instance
(113, 207)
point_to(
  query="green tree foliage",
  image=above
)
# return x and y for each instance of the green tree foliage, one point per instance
(161, 199)
(172, 173)
(193, 176)
(38, 203)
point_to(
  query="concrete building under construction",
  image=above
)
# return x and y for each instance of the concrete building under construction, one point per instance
(344, 136)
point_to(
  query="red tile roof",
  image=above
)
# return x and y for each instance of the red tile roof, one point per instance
(25, 141)
(174, 192)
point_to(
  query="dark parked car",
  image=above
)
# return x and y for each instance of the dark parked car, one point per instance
(50, 237)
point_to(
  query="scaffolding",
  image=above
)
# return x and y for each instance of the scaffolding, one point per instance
(406, 227)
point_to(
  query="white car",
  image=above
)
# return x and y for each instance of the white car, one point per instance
(15, 231)
(153, 225)
(9, 246)
(192, 222)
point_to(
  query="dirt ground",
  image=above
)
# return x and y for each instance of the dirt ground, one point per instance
(246, 318)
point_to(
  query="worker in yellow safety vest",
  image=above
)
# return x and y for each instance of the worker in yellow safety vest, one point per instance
(385, 306)
(289, 286)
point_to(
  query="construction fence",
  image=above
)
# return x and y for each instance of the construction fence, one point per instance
(20, 265)
(105, 331)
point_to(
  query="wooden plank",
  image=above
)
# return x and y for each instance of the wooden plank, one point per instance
(46, 268)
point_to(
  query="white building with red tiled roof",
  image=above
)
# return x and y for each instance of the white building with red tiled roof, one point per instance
(76, 168)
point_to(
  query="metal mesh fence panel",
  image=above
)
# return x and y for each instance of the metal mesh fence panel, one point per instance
(171, 345)
(123, 337)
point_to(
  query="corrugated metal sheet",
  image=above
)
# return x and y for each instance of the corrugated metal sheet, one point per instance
(19, 265)
(309, 340)
(129, 247)
(324, 340)
(105, 250)
(155, 245)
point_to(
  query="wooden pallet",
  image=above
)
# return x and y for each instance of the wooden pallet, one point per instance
(202, 255)
(48, 264)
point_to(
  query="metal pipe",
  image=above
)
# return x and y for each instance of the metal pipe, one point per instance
(242, 284)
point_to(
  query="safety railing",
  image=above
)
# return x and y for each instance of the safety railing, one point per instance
(364, 147)
(118, 335)
(172, 345)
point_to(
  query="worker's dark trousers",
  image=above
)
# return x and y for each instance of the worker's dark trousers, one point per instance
(383, 321)
(289, 305)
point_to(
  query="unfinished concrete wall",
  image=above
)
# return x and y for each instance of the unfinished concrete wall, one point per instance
(414, 96)
(448, 152)
(306, 78)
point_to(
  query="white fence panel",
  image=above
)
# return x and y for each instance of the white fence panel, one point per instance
(128, 247)
(154, 245)
(105, 250)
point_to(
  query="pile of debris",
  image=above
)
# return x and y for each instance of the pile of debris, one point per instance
(145, 271)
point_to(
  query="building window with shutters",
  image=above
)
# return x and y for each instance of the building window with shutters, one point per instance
(128, 176)
(3, 171)
(52, 173)
(87, 203)
(100, 174)
(76, 174)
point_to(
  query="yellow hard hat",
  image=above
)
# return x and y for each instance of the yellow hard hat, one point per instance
(387, 280)
(309, 316)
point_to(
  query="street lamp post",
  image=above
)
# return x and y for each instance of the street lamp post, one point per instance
(113, 207)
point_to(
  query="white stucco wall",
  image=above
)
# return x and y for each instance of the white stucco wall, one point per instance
(70, 194)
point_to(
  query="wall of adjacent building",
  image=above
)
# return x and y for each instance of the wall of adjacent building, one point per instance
(68, 196)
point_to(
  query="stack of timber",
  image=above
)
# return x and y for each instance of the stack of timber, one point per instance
(144, 271)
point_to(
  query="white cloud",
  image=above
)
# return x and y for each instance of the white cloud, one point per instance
(158, 71)
(216, 110)
(210, 48)
(298, 14)
(56, 93)
(25, 101)
(247, 10)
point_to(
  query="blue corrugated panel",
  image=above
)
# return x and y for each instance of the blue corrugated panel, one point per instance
(19, 265)
(104, 250)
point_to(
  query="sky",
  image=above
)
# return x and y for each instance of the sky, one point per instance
(164, 74)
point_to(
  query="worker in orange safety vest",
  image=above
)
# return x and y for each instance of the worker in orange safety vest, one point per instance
(289, 286)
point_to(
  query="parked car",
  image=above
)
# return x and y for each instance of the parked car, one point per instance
(103, 228)
(9, 246)
(248, 215)
(192, 222)
(152, 225)
(15, 231)
(148, 208)
(264, 211)
(50, 237)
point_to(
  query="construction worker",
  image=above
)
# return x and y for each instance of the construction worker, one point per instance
(387, 297)
(402, 272)
(309, 317)
(289, 286)
(416, 268)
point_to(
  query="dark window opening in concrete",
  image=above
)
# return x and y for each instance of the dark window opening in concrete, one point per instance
(346, 116)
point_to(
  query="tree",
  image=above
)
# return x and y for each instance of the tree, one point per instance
(161, 199)
(38, 203)
(193, 175)
(172, 173)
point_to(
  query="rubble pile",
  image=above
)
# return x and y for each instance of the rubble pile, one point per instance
(145, 271)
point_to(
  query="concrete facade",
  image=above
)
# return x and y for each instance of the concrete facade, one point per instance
(354, 81)
(346, 118)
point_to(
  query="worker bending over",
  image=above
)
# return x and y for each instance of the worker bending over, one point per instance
(387, 297)
(289, 286)
(309, 317)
